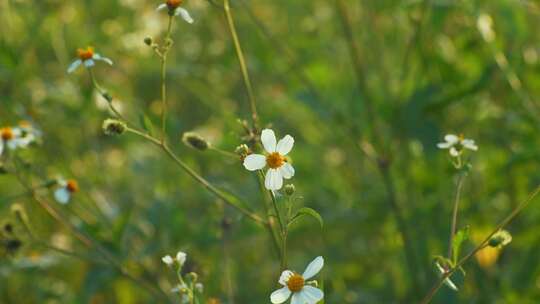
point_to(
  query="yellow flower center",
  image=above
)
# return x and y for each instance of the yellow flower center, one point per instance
(295, 283)
(85, 54)
(173, 4)
(275, 160)
(7, 133)
(72, 186)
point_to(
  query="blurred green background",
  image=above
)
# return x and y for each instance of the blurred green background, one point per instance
(426, 67)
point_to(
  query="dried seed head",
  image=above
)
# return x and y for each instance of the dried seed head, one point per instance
(500, 239)
(290, 189)
(195, 141)
(114, 127)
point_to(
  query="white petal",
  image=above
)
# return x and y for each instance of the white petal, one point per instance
(281, 295)
(89, 63)
(184, 14)
(1, 146)
(73, 66)
(451, 138)
(454, 152)
(298, 298)
(181, 257)
(268, 139)
(444, 145)
(469, 144)
(12, 144)
(285, 145)
(254, 162)
(447, 281)
(62, 195)
(285, 276)
(313, 268)
(273, 180)
(161, 6)
(287, 170)
(312, 295)
(167, 260)
(101, 58)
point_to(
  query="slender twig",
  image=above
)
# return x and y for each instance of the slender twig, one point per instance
(241, 61)
(500, 226)
(163, 58)
(453, 226)
(201, 180)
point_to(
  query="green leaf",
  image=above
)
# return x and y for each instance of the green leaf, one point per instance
(309, 212)
(460, 237)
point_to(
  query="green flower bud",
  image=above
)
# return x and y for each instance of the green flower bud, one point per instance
(500, 239)
(193, 277)
(242, 150)
(148, 41)
(114, 127)
(289, 189)
(195, 141)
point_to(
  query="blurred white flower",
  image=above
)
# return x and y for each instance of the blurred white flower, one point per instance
(447, 281)
(174, 9)
(279, 167)
(457, 144)
(294, 283)
(28, 133)
(181, 257)
(87, 57)
(167, 260)
(65, 190)
(10, 138)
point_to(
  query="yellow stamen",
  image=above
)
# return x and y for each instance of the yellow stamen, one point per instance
(275, 160)
(295, 283)
(72, 186)
(7, 133)
(85, 54)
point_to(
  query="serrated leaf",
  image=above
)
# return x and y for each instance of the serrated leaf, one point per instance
(309, 212)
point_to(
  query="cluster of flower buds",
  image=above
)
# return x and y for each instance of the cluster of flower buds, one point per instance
(188, 286)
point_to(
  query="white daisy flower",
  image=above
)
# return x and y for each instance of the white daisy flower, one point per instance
(278, 166)
(28, 133)
(167, 260)
(457, 144)
(87, 57)
(447, 281)
(174, 9)
(294, 283)
(10, 138)
(65, 190)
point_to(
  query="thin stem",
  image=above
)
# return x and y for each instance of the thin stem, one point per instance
(104, 94)
(270, 222)
(241, 61)
(163, 57)
(282, 230)
(480, 246)
(201, 180)
(453, 226)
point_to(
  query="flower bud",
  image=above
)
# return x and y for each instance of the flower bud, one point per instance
(500, 239)
(290, 189)
(193, 277)
(195, 141)
(148, 41)
(242, 150)
(114, 127)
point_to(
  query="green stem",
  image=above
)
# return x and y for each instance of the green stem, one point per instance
(453, 226)
(163, 57)
(241, 60)
(500, 226)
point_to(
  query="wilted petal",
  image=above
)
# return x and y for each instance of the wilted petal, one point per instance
(312, 294)
(73, 66)
(285, 145)
(287, 170)
(268, 139)
(254, 162)
(184, 14)
(313, 268)
(273, 180)
(62, 195)
(281, 295)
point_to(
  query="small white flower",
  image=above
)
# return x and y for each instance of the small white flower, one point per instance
(447, 281)
(65, 190)
(457, 144)
(181, 257)
(28, 134)
(294, 283)
(174, 9)
(199, 287)
(87, 57)
(168, 260)
(279, 167)
(10, 138)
